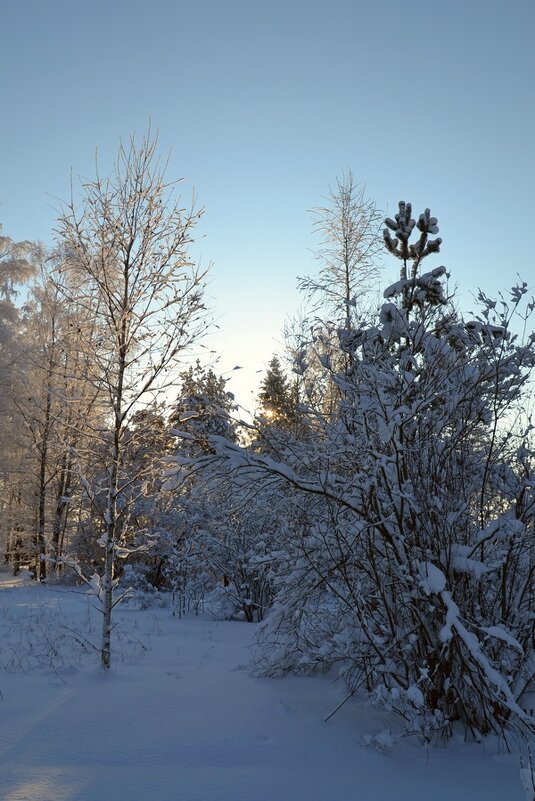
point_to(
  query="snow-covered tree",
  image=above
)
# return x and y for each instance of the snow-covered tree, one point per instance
(127, 244)
(175, 522)
(18, 264)
(53, 401)
(226, 545)
(204, 406)
(414, 509)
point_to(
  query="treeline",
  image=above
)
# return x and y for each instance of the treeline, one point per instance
(377, 516)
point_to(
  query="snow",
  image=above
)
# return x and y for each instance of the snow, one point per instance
(415, 695)
(453, 620)
(462, 563)
(180, 718)
(501, 633)
(527, 776)
(432, 579)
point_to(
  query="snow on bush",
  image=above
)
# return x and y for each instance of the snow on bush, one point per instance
(409, 509)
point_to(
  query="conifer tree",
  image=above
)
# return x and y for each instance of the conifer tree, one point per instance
(275, 396)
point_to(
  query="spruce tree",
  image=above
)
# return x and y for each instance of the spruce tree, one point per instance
(275, 396)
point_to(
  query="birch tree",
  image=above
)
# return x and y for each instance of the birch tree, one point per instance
(349, 231)
(128, 242)
(344, 291)
(18, 262)
(51, 396)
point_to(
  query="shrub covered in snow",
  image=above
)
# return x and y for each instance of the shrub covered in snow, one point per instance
(413, 509)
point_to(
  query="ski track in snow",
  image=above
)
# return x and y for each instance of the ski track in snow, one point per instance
(184, 721)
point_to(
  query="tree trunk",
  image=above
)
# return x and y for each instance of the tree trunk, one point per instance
(62, 508)
(107, 601)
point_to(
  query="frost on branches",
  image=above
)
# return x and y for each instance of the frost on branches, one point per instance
(412, 541)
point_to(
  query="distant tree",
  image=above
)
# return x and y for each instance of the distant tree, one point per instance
(18, 264)
(37, 401)
(204, 406)
(344, 291)
(239, 543)
(150, 519)
(203, 410)
(276, 395)
(349, 229)
(52, 399)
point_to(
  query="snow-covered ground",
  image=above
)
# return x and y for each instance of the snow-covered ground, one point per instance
(179, 718)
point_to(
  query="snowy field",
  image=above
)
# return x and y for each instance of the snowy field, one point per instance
(179, 718)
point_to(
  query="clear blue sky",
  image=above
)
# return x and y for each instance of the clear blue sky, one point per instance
(264, 103)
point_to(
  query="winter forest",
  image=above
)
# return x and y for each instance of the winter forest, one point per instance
(371, 526)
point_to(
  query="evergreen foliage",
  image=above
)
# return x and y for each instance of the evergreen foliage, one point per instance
(275, 396)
